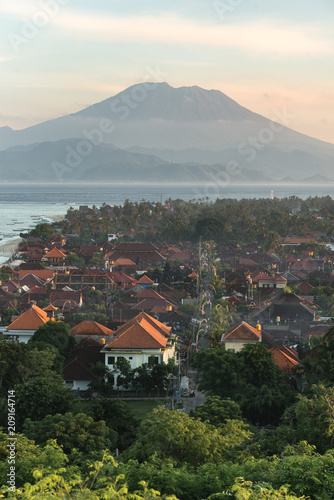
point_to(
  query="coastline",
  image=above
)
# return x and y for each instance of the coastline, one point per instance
(9, 247)
(8, 250)
(56, 218)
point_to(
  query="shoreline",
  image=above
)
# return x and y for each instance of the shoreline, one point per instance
(8, 250)
(56, 218)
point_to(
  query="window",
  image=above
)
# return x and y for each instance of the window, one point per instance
(153, 360)
(111, 360)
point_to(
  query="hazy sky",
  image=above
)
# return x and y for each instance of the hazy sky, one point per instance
(59, 56)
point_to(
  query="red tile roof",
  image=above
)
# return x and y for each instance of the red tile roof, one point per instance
(142, 332)
(150, 303)
(31, 319)
(51, 308)
(120, 278)
(124, 262)
(90, 328)
(242, 331)
(148, 293)
(55, 253)
(44, 274)
(285, 357)
(145, 280)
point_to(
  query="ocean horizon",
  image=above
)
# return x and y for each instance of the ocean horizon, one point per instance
(23, 206)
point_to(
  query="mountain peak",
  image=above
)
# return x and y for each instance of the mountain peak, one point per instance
(161, 101)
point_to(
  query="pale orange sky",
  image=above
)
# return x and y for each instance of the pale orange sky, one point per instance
(265, 55)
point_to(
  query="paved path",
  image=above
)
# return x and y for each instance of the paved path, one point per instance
(191, 403)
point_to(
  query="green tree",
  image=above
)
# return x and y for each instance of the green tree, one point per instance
(19, 363)
(43, 231)
(78, 432)
(102, 482)
(7, 313)
(104, 383)
(190, 309)
(57, 334)
(97, 260)
(176, 435)
(217, 411)
(117, 416)
(11, 364)
(28, 457)
(220, 320)
(321, 370)
(250, 377)
(5, 274)
(42, 396)
(312, 417)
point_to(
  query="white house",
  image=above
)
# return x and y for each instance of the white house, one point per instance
(24, 326)
(138, 340)
(240, 335)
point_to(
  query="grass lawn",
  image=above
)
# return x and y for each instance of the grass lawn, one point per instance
(141, 408)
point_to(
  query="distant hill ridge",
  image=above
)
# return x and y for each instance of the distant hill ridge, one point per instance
(155, 126)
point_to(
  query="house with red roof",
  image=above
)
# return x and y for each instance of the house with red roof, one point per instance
(145, 281)
(45, 275)
(143, 254)
(285, 358)
(240, 335)
(55, 257)
(141, 340)
(122, 280)
(123, 264)
(57, 240)
(91, 329)
(263, 280)
(24, 326)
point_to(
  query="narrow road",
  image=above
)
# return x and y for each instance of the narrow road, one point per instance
(191, 403)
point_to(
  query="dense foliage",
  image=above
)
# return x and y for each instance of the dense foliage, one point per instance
(249, 377)
(225, 220)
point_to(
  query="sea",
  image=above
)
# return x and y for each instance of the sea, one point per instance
(23, 206)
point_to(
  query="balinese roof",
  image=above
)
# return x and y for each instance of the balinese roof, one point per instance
(148, 293)
(145, 280)
(151, 303)
(31, 319)
(304, 265)
(51, 308)
(184, 256)
(44, 274)
(242, 331)
(119, 277)
(285, 357)
(142, 332)
(90, 328)
(55, 253)
(124, 262)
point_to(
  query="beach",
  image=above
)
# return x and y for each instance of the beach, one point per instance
(56, 218)
(8, 249)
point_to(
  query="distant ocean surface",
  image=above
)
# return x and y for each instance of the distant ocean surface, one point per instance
(22, 206)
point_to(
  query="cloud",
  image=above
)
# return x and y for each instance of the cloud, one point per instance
(266, 36)
(6, 58)
(262, 36)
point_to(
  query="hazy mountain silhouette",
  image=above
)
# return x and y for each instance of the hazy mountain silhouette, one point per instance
(186, 125)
